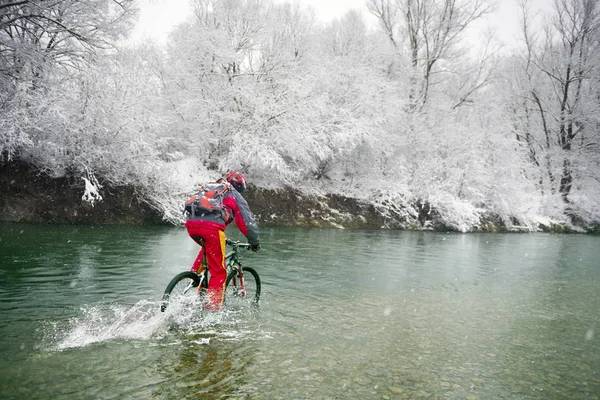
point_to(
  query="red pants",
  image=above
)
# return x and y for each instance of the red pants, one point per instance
(214, 247)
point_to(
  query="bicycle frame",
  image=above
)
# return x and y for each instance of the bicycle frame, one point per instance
(235, 282)
(232, 262)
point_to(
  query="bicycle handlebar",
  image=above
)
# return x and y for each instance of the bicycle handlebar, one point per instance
(236, 243)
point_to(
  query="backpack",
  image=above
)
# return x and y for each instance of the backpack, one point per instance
(209, 200)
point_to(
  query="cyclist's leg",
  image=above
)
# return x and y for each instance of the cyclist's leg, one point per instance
(198, 261)
(214, 248)
(215, 256)
(194, 229)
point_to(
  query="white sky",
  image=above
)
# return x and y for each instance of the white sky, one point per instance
(157, 17)
(327, 10)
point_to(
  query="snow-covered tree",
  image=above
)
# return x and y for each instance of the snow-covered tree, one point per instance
(43, 44)
(555, 103)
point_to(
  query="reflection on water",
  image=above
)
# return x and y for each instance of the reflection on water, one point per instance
(344, 314)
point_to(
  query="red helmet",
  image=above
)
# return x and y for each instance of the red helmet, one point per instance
(237, 180)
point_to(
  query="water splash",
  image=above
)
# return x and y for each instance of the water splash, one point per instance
(142, 321)
(100, 323)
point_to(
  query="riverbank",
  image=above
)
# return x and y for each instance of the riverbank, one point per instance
(28, 195)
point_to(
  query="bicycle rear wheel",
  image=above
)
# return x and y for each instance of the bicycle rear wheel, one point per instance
(181, 290)
(241, 291)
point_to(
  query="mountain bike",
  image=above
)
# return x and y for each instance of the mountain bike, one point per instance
(242, 287)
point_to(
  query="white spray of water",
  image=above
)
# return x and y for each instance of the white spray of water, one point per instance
(100, 323)
(142, 321)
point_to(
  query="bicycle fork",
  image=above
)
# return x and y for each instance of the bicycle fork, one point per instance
(241, 291)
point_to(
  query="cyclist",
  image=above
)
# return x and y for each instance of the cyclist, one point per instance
(210, 228)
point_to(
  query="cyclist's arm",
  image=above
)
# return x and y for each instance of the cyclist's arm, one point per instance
(243, 217)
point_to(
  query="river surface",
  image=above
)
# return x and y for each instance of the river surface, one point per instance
(343, 315)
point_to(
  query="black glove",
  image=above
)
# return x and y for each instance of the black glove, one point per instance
(255, 247)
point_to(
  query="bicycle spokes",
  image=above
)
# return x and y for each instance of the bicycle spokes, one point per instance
(188, 287)
(201, 285)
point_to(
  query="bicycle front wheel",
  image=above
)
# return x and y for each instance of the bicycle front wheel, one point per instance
(181, 290)
(242, 289)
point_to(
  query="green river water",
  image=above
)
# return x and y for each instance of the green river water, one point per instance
(343, 315)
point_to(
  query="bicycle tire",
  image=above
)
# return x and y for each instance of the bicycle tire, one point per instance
(186, 279)
(233, 293)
